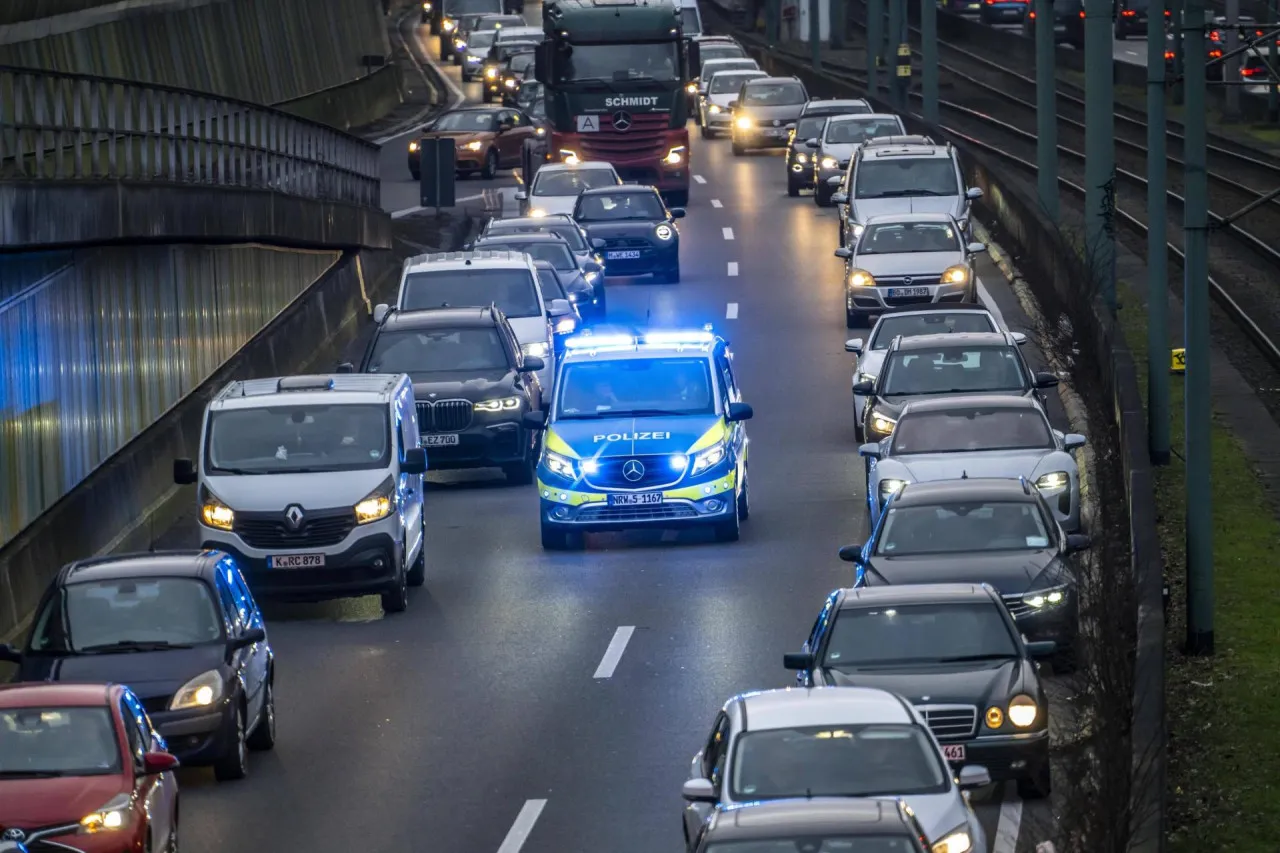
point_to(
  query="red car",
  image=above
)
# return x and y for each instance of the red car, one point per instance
(81, 768)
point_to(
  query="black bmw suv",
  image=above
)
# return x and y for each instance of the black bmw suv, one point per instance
(471, 382)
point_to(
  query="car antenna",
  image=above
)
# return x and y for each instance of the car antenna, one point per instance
(964, 475)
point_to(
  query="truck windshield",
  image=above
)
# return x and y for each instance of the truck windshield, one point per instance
(689, 21)
(620, 62)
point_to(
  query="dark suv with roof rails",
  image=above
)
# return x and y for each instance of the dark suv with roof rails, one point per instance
(809, 124)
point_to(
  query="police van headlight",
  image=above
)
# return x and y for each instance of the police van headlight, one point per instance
(829, 163)
(705, 459)
(561, 465)
(500, 404)
(664, 232)
(537, 349)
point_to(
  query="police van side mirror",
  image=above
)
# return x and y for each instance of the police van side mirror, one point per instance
(739, 412)
(415, 461)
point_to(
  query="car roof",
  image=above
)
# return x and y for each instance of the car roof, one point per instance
(647, 351)
(147, 564)
(525, 221)
(791, 707)
(620, 188)
(575, 167)
(480, 260)
(772, 79)
(971, 490)
(836, 118)
(970, 401)
(738, 72)
(305, 390)
(904, 594)
(27, 695)
(436, 318)
(902, 146)
(809, 816)
(954, 339)
(892, 218)
(524, 237)
(938, 308)
(816, 105)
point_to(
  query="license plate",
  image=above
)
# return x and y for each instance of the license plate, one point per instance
(298, 561)
(895, 292)
(776, 131)
(627, 254)
(636, 500)
(439, 441)
(953, 751)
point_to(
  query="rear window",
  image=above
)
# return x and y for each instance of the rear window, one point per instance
(774, 94)
(512, 290)
(724, 84)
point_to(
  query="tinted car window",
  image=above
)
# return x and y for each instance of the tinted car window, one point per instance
(285, 439)
(955, 528)
(62, 741)
(556, 254)
(896, 238)
(929, 324)
(423, 351)
(567, 231)
(953, 370)
(511, 290)
(550, 284)
(855, 131)
(572, 182)
(918, 633)
(164, 611)
(614, 207)
(971, 431)
(773, 94)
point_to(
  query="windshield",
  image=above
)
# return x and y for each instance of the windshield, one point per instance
(953, 370)
(481, 39)
(613, 389)
(520, 63)
(566, 231)
(58, 742)
(530, 96)
(773, 94)
(645, 206)
(511, 290)
(822, 844)
(836, 761)
(550, 284)
(573, 181)
(102, 615)
(724, 84)
(918, 633)
(907, 325)
(720, 51)
(710, 68)
(855, 131)
(968, 528)
(689, 22)
(507, 52)
(809, 127)
(896, 238)
(418, 351)
(619, 62)
(903, 177)
(297, 439)
(473, 121)
(972, 430)
(556, 254)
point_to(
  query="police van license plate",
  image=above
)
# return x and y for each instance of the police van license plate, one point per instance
(647, 499)
(899, 292)
(624, 255)
(298, 561)
(439, 441)
(953, 751)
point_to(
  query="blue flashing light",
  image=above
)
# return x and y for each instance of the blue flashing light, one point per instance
(679, 461)
(587, 341)
(682, 338)
(590, 466)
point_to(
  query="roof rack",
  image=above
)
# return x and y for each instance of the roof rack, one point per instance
(305, 383)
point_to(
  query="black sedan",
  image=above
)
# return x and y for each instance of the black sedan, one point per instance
(953, 651)
(997, 532)
(182, 631)
(586, 293)
(637, 228)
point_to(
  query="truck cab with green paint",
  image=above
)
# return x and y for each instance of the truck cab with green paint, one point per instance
(614, 72)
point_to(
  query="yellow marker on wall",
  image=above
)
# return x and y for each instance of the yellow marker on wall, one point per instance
(1179, 361)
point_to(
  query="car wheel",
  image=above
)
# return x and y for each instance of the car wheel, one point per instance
(561, 540)
(396, 598)
(264, 735)
(235, 763)
(418, 572)
(792, 189)
(1036, 787)
(822, 198)
(519, 473)
(738, 150)
(416, 174)
(852, 319)
(744, 499)
(731, 529)
(490, 165)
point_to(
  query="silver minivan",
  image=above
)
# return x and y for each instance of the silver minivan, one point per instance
(314, 485)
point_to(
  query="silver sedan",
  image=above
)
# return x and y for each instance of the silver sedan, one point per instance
(977, 437)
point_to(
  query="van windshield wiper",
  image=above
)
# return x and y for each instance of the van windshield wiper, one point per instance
(133, 646)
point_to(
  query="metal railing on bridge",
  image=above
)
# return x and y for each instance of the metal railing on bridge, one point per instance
(58, 126)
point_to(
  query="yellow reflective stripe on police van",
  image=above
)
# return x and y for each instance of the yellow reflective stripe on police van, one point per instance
(720, 485)
(717, 433)
(556, 444)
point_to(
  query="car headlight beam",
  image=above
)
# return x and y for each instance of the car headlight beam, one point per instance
(829, 163)
(113, 815)
(216, 514)
(715, 109)
(706, 459)
(1045, 598)
(675, 156)
(954, 842)
(561, 465)
(537, 349)
(1053, 481)
(378, 504)
(413, 146)
(958, 274)
(1023, 711)
(861, 278)
(498, 404)
(200, 692)
(882, 423)
(491, 73)
(474, 145)
(664, 232)
(890, 487)
(744, 123)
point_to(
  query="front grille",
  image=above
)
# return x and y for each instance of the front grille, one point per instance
(625, 243)
(1017, 607)
(895, 301)
(950, 722)
(653, 512)
(916, 281)
(644, 139)
(445, 415)
(268, 531)
(656, 473)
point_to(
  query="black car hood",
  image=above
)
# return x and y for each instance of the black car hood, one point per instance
(625, 228)
(572, 281)
(940, 684)
(462, 384)
(1009, 572)
(148, 674)
(893, 404)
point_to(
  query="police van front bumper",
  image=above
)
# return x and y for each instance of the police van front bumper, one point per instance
(708, 501)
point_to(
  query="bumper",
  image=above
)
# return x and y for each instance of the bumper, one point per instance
(876, 300)
(707, 502)
(761, 137)
(651, 259)
(717, 121)
(197, 736)
(1009, 757)
(483, 446)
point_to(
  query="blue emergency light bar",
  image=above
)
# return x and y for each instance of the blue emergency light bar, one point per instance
(663, 339)
(588, 341)
(680, 338)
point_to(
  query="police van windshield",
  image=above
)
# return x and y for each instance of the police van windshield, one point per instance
(635, 388)
(417, 351)
(298, 439)
(953, 370)
(906, 176)
(908, 325)
(512, 290)
(724, 84)
(773, 94)
(572, 181)
(619, 62)
(855, 131)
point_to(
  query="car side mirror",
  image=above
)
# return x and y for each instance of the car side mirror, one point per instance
(851, 553)
(866, 386)
(973, 776)
(678, 212)
(854, 346)
(504, 126)
(155, 763)
(532, 364)
(380, 313)
(811, 143)
(732, 105)
(699, 791)
(1019, 338)
(739, 412)
(597, 243)
(844, 253)
(346, 367)
(248, 638)
(9, 653)
(836, 181)
(976, 248)
(973, 193)
(184, 472)
(1073, 441)
(534, 420)
(870, 451)
(798, 662)
(1042, 649)
(559, 308)
(521, 195)
(415, 461)
(1078, 542)
(1046, 380)
(839, 198)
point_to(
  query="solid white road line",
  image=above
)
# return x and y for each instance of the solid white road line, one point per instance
(409, 211)
(613, 654)
(731, 313)
(519, 832)
(700, 179)
(733, 267)
(1006, 840)
(715, 202)
(458, 96)
(728, 233)
(984, 296)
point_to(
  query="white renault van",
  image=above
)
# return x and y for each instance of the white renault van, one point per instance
(314, 483)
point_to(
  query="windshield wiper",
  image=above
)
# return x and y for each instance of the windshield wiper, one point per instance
(133, 646)
(904, 193)
(991, 656)
(590, 81)
(31, 774)
(240, 472)
(647, 413)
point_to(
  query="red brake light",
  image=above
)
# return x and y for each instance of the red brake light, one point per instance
(1249, 72)
(1167, 13)
(1081, 13)
(1128, 13)
(1168, 54)
(1215, 36)
(1031, 15)
(1215, 54)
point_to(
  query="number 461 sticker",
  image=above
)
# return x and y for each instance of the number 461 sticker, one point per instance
(1179, 361)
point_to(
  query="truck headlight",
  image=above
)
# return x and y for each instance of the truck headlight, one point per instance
(889, 488)
(1042, 598)
(955, 275)
(500, 404)
(570, 158)
(216, 514)
(882, 424)
(114, 814)
(558, 464)
(200, 692)
(675, 156)
(705, 459)
(954, 842)
(861, 278)
(538, 349)
(1023, 711)
(829, 163)
(664, 232)
(378, 504)
(1054, 481)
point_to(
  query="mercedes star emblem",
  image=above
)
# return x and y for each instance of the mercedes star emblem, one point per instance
(633, 470)
(293, 515)
(621, 121)
(14, 834)
(906, 279)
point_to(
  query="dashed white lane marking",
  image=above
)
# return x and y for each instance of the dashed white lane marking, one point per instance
(700, 179)
(1010, 822)
(613, 654)
(984, 296)
(519, 832)
(409, 211)
(715, 202)
(728, 233)
(731, 313)
(733, 268)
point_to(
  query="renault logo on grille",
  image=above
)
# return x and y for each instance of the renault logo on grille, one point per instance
(622, 121)
(633, 470)
(14, 834)
(293, 517)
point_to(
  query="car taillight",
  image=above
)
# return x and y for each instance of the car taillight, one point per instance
(1249, 72)
(1031, 15)
(1128, 13)
(1215, 36)
(1082, 14)
(1168, 54)
(1215, 54)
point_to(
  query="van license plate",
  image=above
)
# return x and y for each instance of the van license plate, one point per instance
(899, 292)
(953, 751)
(626, 255)
(298, 561)
(647, 499)
(439, 441)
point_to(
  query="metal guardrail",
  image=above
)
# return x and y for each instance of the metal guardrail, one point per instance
(58, 126)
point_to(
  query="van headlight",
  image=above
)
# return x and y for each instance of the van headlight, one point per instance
(561, 465)
(114, 814)
(1054, 481)
(378, 504)
(706, 459)
(1023, 711)
(500, 404)
(538, 349)
(200, 692)
(664, 232)
(214, 513)
(714, 109)
(745, 123)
